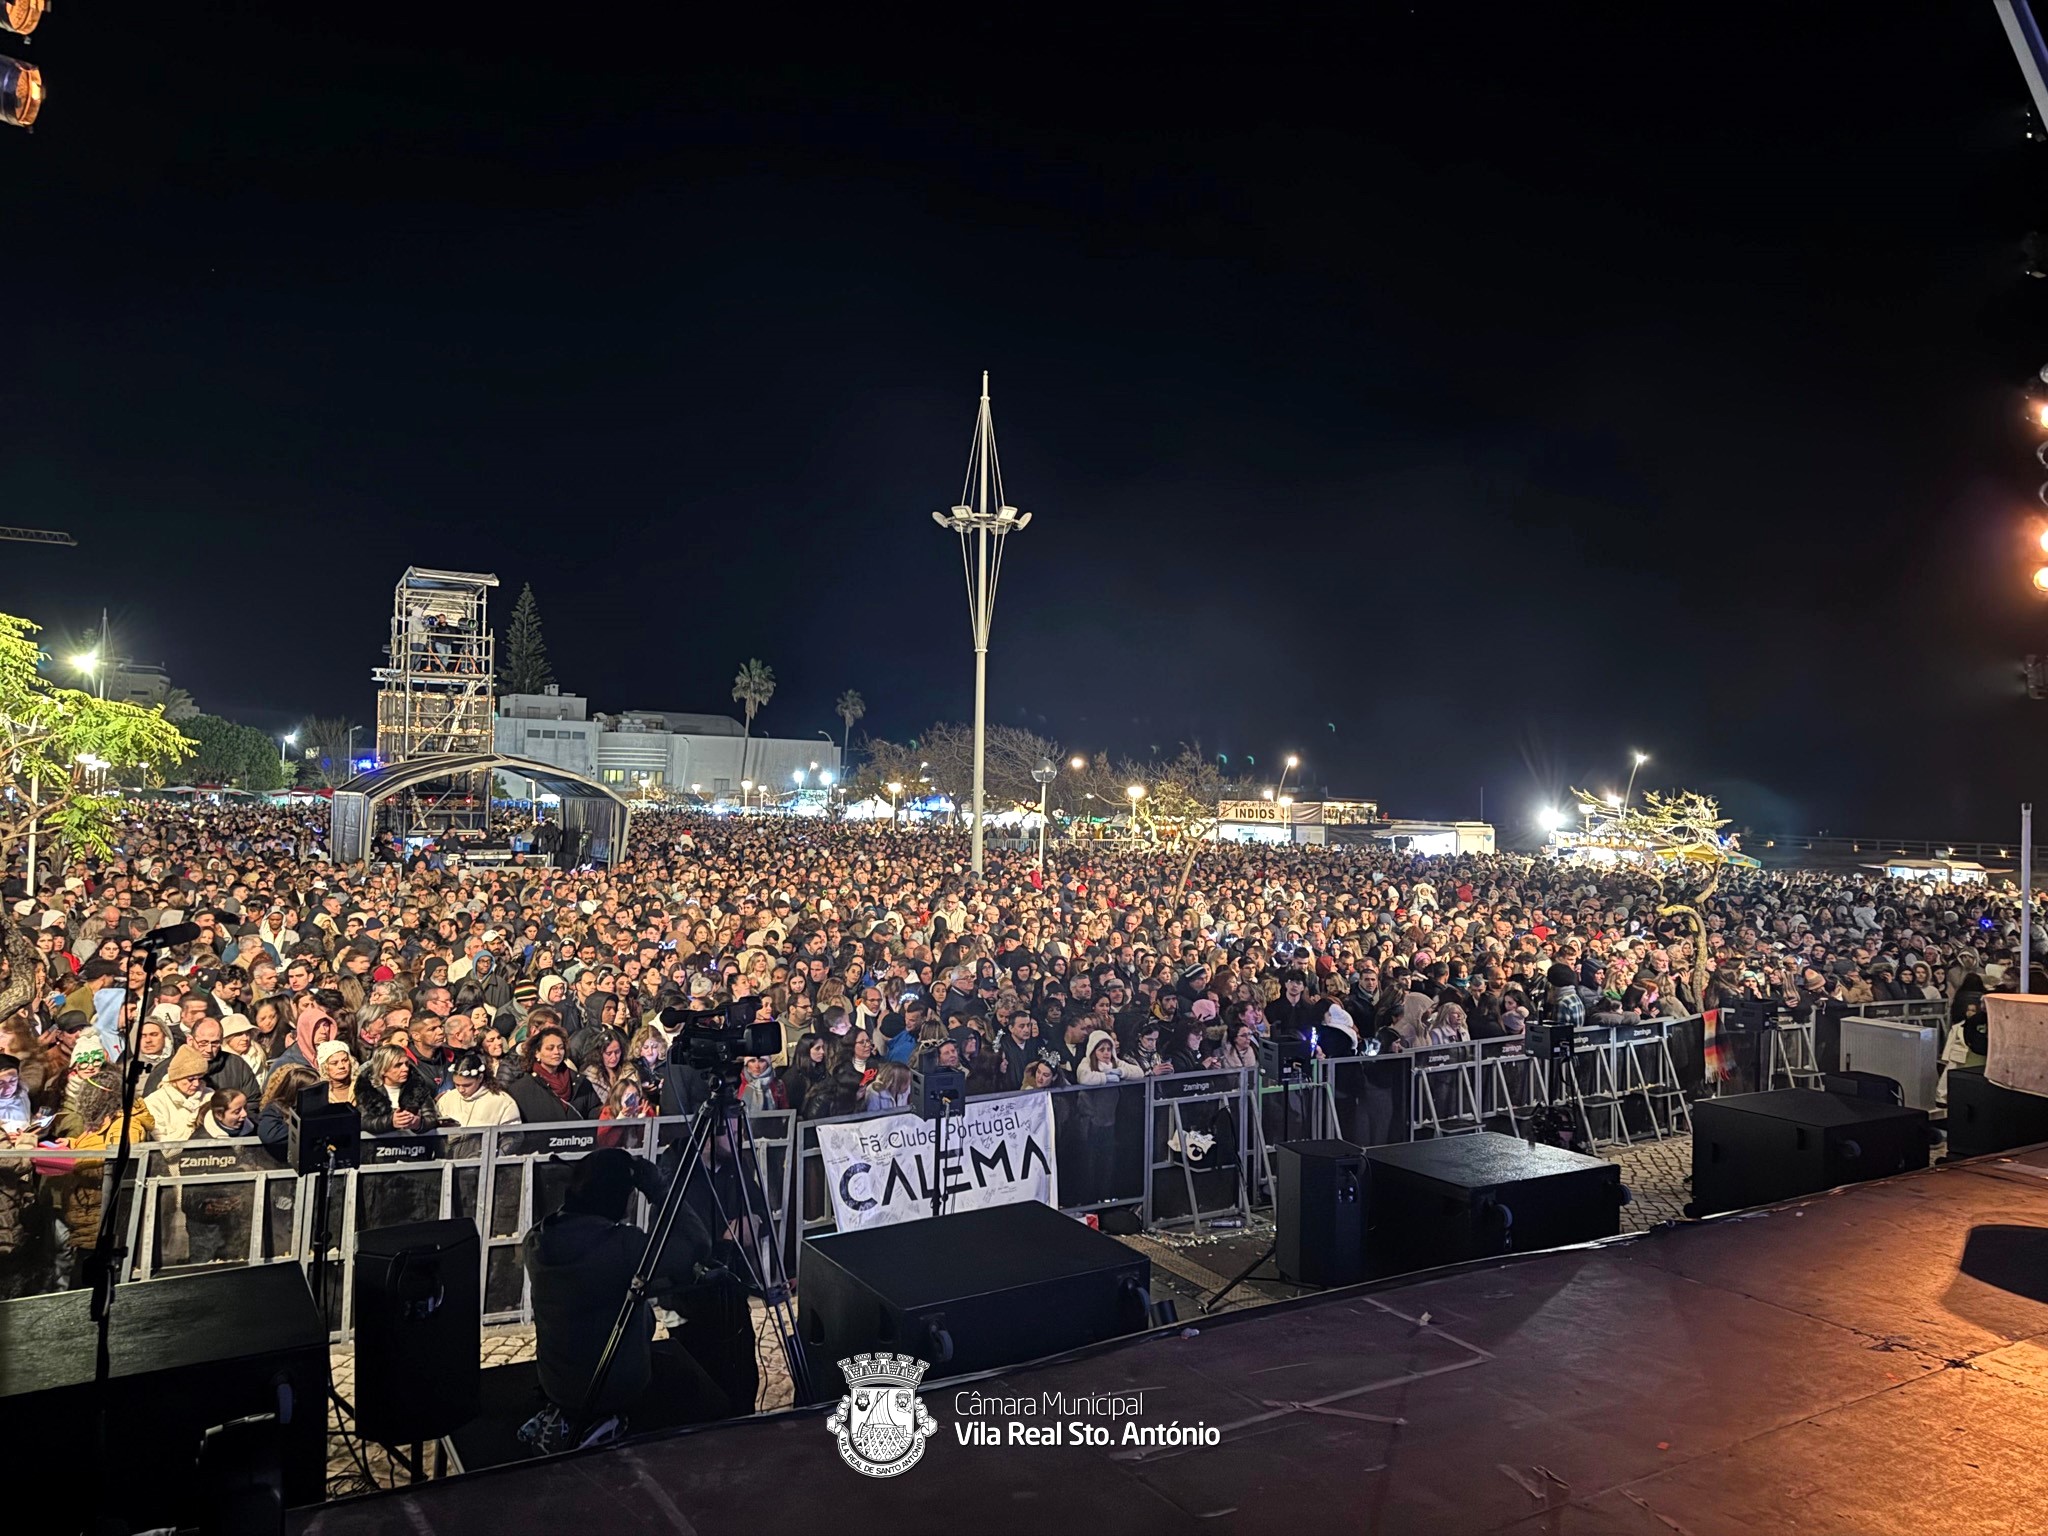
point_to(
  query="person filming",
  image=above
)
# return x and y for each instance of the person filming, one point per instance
(580, 1261)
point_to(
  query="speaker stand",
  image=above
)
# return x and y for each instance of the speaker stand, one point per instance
(1272, 1247)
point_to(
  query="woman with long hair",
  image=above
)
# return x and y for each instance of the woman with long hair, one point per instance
(550, 1089)
(609, 1069)
(806, 1070)
(647, 1058)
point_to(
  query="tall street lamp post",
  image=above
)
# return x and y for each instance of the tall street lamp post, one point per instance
(1042, 775)
(1637, 759)
(895, 788)
(284, 741)
(983, 520)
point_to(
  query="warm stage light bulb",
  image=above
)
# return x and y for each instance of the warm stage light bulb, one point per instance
(2041, 579)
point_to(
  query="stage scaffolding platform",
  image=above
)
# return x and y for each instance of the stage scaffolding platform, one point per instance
(437, 694)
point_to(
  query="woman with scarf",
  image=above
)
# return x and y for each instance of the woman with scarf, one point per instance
(551, 1090)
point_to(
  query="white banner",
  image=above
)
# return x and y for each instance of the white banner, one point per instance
(882, 1171)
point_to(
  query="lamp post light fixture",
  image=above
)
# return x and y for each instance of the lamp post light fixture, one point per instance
(746, 791)
(1136, 792)
(1042, 776)
(1551, 819)
(1636, 761)
(1077, 762)
(285, 741)
(983, 519)
(1287, 805)
(1292, 763)
(895, 788)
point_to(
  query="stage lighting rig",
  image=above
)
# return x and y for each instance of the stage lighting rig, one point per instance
(21, 92)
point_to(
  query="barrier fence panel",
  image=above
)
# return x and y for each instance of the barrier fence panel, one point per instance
(1198, 1164)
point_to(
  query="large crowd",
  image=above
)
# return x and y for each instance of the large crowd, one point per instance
(429, 994)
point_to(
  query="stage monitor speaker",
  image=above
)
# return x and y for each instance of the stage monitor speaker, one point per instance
(419, 1330)
(189, 1354)
(1755, 1148)
(1319, 1205)
(1864, 1085)
(1470, 1197)
(1985, 1118)
(971, 1291)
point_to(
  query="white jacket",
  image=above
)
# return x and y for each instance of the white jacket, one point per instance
(487, 1108)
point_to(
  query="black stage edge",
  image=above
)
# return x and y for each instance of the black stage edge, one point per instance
(1872, 1361)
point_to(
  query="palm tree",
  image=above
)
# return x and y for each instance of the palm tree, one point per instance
(851, 707)
(176, 702)
(752, 689)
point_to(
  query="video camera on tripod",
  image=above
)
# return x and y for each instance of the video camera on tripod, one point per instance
(719, 1039)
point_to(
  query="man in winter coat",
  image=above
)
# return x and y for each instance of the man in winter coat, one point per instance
(580, 1262)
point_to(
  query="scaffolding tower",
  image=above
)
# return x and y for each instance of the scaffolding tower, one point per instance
(438, 691)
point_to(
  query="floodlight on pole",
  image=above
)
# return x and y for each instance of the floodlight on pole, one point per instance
(983, 519)
(284, 741)
(895, 788)
(1636, 761)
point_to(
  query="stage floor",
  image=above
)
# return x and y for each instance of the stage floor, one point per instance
(1866, 1362)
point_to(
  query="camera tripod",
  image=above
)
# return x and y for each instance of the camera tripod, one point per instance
(767, 1278)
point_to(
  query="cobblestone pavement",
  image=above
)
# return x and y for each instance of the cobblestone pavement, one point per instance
(1659, 1179)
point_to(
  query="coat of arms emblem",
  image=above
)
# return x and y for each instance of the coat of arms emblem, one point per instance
(881, 1422)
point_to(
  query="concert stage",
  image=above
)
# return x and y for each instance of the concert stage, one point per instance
(1867, 1362)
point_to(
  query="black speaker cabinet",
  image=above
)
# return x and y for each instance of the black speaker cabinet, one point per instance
(1470, 1197)
(189, 1354)
(1319, 1204)
(1984, 1118)
(971, 1291)
(419, 1330)
(1755, 1148)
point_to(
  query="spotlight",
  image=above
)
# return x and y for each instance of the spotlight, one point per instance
(21, 92)
(22, 16)
(2041, 579)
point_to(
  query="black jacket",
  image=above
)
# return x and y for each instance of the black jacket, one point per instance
(537, 1106)
(373, 1102)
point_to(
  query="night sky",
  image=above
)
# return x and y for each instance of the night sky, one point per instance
(1458, 395)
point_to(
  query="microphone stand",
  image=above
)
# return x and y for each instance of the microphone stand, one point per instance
(109, 1252)
(939, 1154)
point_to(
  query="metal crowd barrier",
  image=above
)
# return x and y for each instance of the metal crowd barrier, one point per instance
(1116, 1146)
(1621, 1091)
(1177, 1150)
(198, 1203)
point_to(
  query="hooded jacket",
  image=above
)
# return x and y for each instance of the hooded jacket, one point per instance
(579, 1266)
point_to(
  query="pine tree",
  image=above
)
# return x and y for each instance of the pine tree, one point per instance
(525, 668)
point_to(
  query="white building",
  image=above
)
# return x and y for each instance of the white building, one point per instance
(659, 750)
